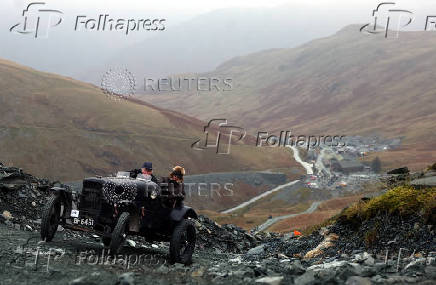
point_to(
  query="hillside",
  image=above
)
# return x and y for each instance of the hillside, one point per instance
(64, 129)
(348, 83)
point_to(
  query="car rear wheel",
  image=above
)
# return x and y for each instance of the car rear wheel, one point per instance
(51, 217)
(183, 242)
(119, 233)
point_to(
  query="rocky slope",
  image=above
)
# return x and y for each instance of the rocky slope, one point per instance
(389, 239)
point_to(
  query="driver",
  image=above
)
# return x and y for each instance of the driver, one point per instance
(146, 172)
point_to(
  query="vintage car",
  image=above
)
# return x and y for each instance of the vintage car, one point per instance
(114, 207)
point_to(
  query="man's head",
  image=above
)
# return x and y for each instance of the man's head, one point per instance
(147, 168)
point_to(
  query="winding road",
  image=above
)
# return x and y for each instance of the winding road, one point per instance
(307, 167)
(254, 199)
(272, 221)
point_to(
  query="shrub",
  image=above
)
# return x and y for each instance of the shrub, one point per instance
(402, 200)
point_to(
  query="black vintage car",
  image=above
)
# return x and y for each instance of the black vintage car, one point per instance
(114, 207)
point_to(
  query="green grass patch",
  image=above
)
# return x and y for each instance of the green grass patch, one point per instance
(402, 200)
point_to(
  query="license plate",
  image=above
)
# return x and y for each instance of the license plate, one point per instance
(89, 222)
(75, 213)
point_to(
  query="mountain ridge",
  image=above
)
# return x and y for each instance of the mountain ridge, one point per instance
(348, 84)
(65, 129)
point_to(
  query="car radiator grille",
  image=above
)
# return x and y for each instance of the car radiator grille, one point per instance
(90, 201)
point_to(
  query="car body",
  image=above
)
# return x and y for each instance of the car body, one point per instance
(114, 207)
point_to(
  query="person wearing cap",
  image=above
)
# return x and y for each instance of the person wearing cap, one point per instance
(146, 172)
(173, 187)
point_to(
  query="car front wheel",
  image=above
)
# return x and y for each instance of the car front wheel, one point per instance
(119, 233)
(183, 242)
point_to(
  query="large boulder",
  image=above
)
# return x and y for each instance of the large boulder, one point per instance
(401, 170)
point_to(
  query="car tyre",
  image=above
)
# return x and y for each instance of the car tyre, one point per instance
(182, 242)
(119, 233)
(51, 217)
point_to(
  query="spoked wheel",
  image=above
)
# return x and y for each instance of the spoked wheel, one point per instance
(51, 217)
(183, 242)
(119, 233)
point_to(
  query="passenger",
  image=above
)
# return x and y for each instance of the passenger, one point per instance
(175, 189)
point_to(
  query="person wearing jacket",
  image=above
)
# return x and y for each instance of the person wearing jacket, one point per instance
(146, 172)
(173, 187)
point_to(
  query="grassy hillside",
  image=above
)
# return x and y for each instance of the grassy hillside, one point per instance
(349, 83)
(64, 129)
